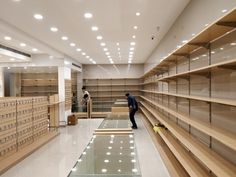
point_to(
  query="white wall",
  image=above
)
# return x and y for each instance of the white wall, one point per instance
(112, 71)
(1, 83)
(192, 20)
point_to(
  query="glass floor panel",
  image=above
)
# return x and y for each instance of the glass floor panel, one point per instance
(108, 156)
(115, 123)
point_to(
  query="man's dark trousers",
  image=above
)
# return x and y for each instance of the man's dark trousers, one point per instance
(131, 117)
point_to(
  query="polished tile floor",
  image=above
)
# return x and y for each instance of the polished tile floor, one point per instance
(56, 158)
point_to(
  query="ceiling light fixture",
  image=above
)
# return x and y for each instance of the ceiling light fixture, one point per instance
(105, 49)
(224, 10)
(99, 37)
(102, 44)
(135, 27)
(94, 62)
(34, 50)
(94, 28)
(87, 56)
(53, 29)
(22, 44)
(38, 16)
(7, 38)
(78, 49)
(118, 49)
(131, 48)
(107, 53)
(233, 43)
(184, 41)
(117, 43)
(104, 170)
(72, 44)
(133, 36)
(88, 15)
(64, 38)
(137, 13)
(83, 53)
(12, 59)
(132, 43)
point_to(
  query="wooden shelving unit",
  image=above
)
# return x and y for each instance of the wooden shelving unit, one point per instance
(23, 121)
(68, 94)
(192, 92)
(39, 84)
(106, 91)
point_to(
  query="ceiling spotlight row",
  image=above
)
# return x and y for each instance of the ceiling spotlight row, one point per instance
(65, 38)
(8, 38)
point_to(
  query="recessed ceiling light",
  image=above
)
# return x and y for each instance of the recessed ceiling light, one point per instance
(102, 44)
(131, 136)
(87, 56)
(213, 52)
(38, 16)
(133, 160)
(83, 53)
(53, 29)
(224, 10)
(80, 160)
(94, 62)
(72, 44)
(206, 24)
(109, 147)
(135, 27)
(118, 49)
(131, 48)
(105, 49)
(88, 15)
(131, 52)
(25, 67)
(111, 62)
(117, 43)
(130, 55)
(133, 36)
(107, 53)
(193, 34)
(137, 13)
(16, 0)
(99, 37)
(8, 68)
(119, 170)
(64, 38)
(221, 48)
(184, 41)
(7, 38)
(132, 43)
(12, 59)
(78, 49)
(104, 170)
(94, 28)
(22, 44)
(106, 161)
(233, 43)
(91, 59)
(108, 153)
(34, 50)
(134, 170)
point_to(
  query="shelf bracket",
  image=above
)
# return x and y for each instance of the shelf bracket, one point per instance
(201, 44)
(228, 23)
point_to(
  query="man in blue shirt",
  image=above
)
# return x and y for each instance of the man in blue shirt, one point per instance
(133, 107)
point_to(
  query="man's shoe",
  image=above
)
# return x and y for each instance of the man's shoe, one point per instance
(134, 127)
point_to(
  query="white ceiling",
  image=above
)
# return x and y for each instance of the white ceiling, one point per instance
(114, 18)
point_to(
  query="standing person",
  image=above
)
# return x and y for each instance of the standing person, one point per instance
(133, 107)
(85, 99)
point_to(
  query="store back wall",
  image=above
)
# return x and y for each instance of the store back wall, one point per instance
(112, 71)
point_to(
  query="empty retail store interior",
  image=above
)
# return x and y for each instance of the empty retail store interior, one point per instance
(116, 88)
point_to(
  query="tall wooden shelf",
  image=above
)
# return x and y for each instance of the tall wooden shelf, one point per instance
(192, 92)
(39, 84)
(109, 90)
(68, 94)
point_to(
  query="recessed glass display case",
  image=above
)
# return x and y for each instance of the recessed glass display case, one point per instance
(108, 156)
(115, 124)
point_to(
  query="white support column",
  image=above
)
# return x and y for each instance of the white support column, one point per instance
(63, 73)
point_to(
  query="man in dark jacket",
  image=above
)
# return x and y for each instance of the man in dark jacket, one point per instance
(133, 107)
